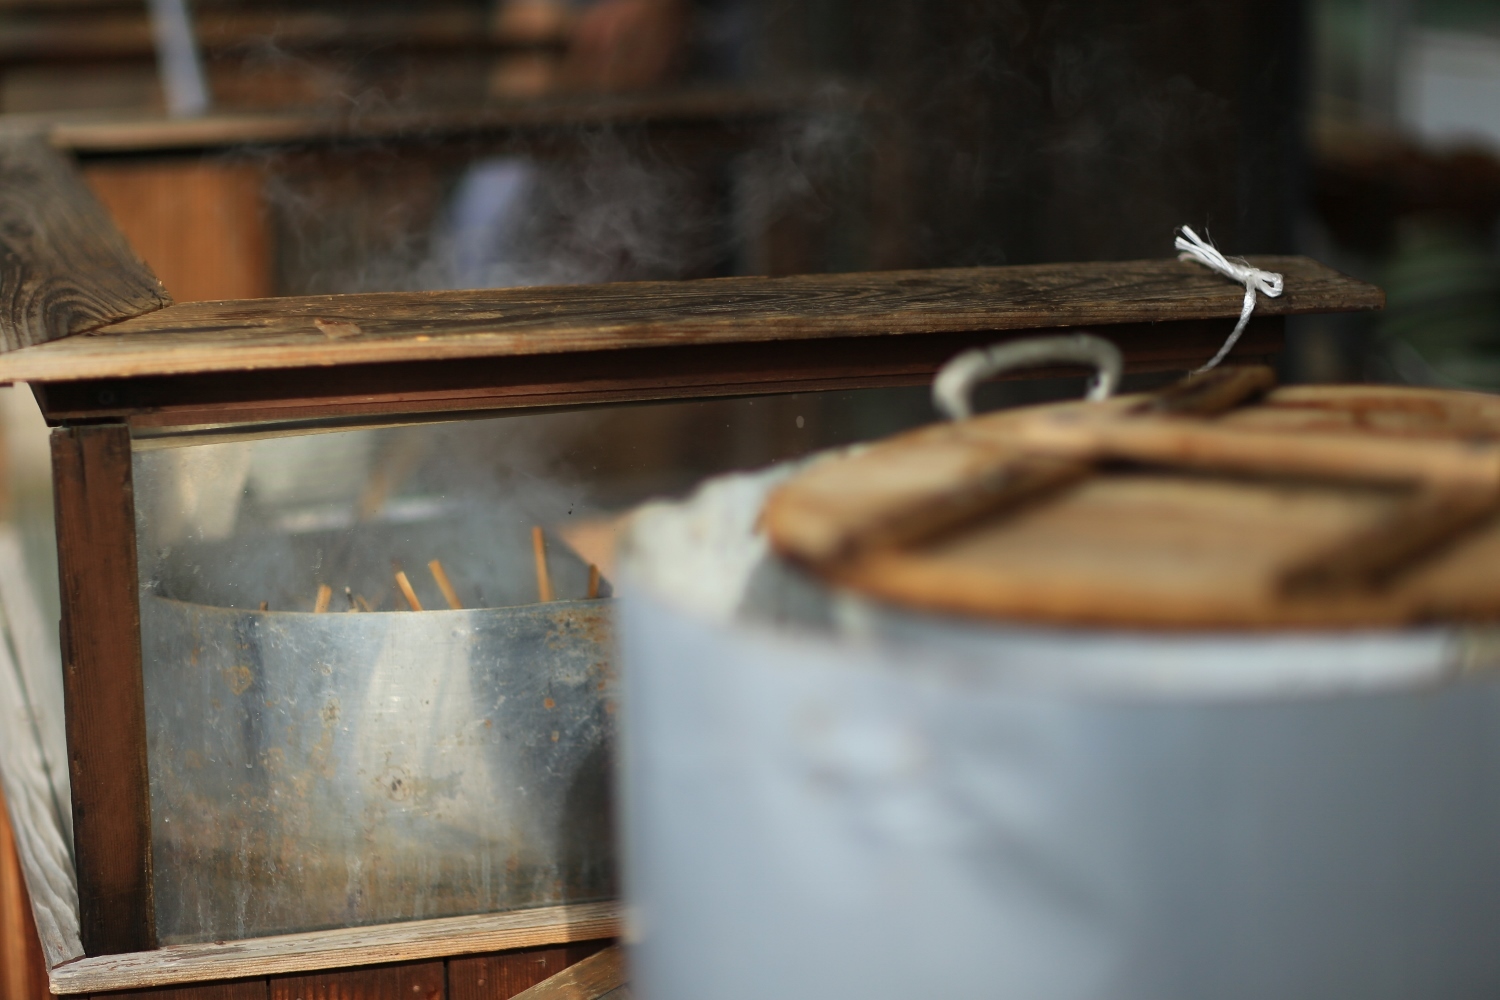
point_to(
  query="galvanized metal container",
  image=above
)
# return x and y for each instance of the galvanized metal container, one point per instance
(824, 797)
(321, 770)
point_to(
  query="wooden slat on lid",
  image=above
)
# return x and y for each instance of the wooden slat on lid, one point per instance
(1399, 524)
(402, 327)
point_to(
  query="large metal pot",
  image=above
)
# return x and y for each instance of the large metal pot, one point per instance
(829, 798)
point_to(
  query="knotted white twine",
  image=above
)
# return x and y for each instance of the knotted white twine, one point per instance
(1268, 283)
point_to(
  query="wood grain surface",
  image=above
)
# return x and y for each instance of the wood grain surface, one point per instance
(1209, 446)
(341, 949)
(657, 373)
(1384, 514)
(245, 989)
(33, 759)
(405, 327)
(106, 710)
(502, 976)
(417, 981)
(66, 268)
(590, 979)
(959, 472)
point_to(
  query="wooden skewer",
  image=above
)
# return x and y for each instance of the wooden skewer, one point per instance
(325, 592)
(543, 579)
(411, 595)
(265, 606)
(593, 582)
(449, 594)
(364, 605)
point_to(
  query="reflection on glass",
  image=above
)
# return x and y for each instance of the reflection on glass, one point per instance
(322, 754)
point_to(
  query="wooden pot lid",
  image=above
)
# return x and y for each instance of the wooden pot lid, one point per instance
(1216, 504)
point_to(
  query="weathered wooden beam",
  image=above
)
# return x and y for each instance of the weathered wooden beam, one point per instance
(66, 268)
(858, 309)
(342, 948)
(102, 684)
(380, 391)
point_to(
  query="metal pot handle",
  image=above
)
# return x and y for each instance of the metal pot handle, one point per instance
(953, 389)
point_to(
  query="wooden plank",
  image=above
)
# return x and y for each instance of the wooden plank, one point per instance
(1211, 447)
(1139, 550)
(706, 107)
(245, 989)
(951, 476)
(1428, 521)
(32, 748)
(341, 948)
(590, 979)
(1314, 522)
(106, 712)
(405, 327)
(583, 379)
(23, 969)
(421, 981)
(502, 976)
(200, 225)
(67, 269)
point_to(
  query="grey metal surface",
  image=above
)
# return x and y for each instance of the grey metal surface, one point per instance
(321, 770)
(313, 771)
(887, 806)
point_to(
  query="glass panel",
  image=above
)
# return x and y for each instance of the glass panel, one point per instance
(367, 763)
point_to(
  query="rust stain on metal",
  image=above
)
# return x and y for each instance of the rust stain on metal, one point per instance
(239, 679)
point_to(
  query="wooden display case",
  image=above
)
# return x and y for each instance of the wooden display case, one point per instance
(114, 363)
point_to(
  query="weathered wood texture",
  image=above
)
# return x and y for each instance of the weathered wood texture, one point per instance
(106, 713)
(659, 373)
(405, 327)
(33, 759)
(66, 268)
(245, 989)
(1383, 498)
(420, 981)
(200, 226)
(340, 949)
(962, 477)
(502, 976)
(498, 976)
(23, 970)
(589, 979)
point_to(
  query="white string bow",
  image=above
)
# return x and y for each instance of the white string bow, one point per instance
(1268, 283)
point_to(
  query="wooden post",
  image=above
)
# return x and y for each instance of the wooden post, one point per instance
(106, 710)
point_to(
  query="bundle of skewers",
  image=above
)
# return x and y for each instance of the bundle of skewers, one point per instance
(357, 602)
